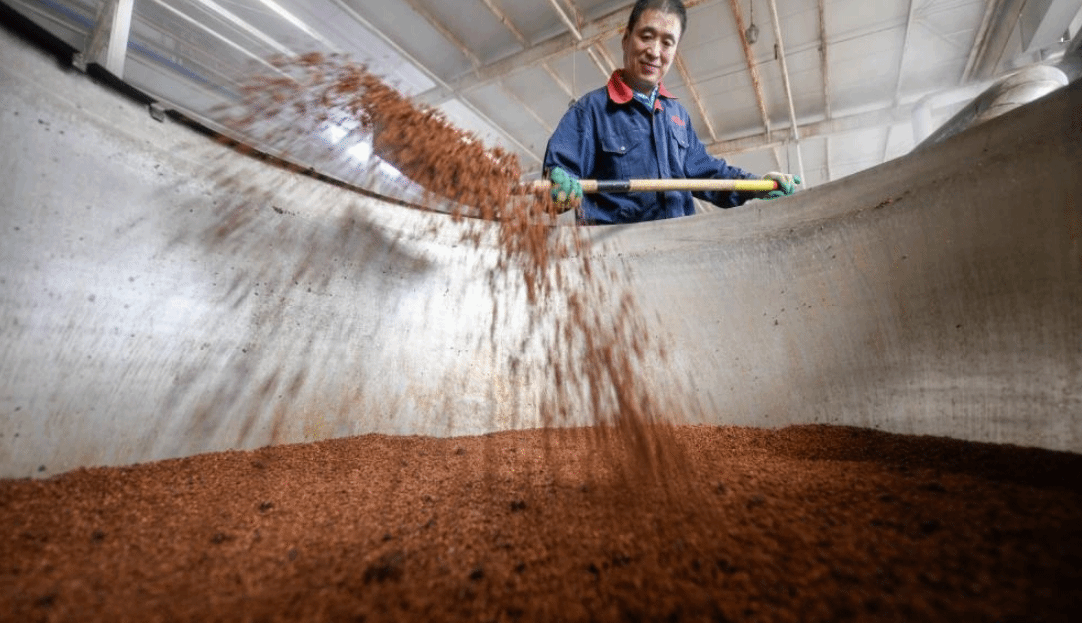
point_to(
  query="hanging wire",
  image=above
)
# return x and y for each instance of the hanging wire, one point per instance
(574, 83)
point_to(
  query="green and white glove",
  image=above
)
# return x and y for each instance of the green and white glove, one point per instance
(566, 190)
(786, 184)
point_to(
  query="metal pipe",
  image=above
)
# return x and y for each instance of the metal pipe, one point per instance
(905, 47)
(1007, 94)
(824, 66)
(566, 20)
(788, 89)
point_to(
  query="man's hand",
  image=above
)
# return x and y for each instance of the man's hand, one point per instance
(786, 184)
(566, 190)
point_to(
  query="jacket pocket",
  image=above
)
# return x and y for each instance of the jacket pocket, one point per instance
(618, 157)
(679, 135)
(678, 149)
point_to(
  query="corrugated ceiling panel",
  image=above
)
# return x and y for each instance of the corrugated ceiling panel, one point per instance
(708, 23)
(732, 104)
(415, 35)
(594, 9)
(536, 20)
(580, 73)
(543, 94)
(957, 20)
(463, 117)
(846, 19)
(799, 23)
(932, 61)
(718, 55)
(498, 105)
(806, 80)
(476, 26)
(864, 70)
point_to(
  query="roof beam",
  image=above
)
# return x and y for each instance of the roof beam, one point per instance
(753, 71)
(506, 21)
(560, 82)
(610, 63)
(931, 27)
(434, 22)
(753, 67)
(598, 53)
(992, 39)
(605, 27)
(681, 67)
(832, 127)
(905, 48)
(980, 42)
(572, 22)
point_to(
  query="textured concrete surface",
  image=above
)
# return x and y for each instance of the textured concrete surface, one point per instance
(162, 296)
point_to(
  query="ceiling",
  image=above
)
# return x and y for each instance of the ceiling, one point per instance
(827, 88)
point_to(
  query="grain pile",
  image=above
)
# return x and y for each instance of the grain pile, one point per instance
(801, 524)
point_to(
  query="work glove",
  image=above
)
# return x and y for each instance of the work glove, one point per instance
(566, 190)
(786, 184)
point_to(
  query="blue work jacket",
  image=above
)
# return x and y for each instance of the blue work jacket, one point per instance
(609, 134)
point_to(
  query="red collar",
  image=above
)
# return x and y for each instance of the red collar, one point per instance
(621, 93)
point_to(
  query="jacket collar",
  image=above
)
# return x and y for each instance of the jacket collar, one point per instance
(621, 93)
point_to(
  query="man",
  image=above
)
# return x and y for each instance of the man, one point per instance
(634, 128)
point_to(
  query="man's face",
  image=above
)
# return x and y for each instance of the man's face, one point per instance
(649, 49)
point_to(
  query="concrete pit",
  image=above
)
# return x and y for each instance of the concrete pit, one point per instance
(229, 391)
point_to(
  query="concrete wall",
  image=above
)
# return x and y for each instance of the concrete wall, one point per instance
(162, 296)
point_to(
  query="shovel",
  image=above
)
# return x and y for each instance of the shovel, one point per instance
(660, 185)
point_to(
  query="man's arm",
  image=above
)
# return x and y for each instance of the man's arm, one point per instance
(569, 157)
(570, 147)
(701, 165)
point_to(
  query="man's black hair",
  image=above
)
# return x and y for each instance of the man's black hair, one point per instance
(674, 7)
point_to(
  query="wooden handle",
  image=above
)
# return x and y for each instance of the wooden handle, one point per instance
(647, 185)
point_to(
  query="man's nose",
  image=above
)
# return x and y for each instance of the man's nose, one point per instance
(653, 49)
